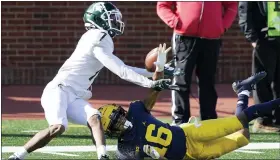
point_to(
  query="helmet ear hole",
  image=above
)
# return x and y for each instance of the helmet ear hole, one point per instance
(95, 18)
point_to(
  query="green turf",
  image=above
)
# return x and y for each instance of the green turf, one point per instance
(84, 155)
(13, 135)
(267, 154)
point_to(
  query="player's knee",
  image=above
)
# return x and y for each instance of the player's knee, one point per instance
(211, 155)
(94, 121)
(56, 130)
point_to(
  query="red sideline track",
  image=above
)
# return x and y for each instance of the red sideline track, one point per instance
(23, 102)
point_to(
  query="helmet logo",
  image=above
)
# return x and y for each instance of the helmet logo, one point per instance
(98, 7)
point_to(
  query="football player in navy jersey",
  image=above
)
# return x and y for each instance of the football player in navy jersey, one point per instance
(141, 135)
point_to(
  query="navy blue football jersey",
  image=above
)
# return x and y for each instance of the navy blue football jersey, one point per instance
(169, 141)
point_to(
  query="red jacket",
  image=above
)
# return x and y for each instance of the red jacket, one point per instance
(199, 19)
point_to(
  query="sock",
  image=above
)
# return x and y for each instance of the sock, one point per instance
(101, 151)
(242, 102)
(21, 153)
(260, 110)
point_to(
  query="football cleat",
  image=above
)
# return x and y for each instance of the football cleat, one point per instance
(249, 83)
(104, 157)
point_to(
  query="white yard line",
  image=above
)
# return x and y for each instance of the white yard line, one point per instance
(262, 146)
(61, 154)
(7, 149)
(57, 149)
(30, 131)
(244, 151)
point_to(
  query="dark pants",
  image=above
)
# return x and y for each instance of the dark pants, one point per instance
(266, 57)
(191, 52)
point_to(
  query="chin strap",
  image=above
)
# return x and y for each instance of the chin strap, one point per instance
(112, 33)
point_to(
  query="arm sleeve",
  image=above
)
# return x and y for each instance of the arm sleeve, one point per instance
(104, 54)
(230, 13)
(141, 71)
(245, 21)
(165, 13)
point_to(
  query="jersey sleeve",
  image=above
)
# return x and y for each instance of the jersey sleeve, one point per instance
(103, 51)
(142, 71)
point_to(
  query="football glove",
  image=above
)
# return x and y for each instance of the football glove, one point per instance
(161, 57)
(162, 84)
(170, 71)
(150, 151)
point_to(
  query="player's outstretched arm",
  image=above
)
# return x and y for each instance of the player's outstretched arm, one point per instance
(151, 98)
(141, 71)
(102, 49)
(115, 65)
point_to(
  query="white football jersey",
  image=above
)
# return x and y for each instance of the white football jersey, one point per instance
(94, 51)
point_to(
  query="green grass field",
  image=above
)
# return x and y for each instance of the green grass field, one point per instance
(17, 132)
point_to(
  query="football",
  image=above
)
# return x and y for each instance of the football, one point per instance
(150, 59)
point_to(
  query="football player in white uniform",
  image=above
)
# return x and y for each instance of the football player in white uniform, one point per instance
(65, 97)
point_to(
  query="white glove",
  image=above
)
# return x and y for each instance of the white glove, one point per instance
(150, 151)
(161, 57)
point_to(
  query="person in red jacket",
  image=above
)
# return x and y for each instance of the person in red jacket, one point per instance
(196, 42)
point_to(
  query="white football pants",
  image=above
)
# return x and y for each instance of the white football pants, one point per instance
(61, 104)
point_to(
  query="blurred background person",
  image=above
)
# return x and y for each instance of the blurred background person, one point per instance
(260, 23)
(196, 42)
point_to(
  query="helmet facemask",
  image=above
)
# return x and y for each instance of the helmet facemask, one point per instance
(114, 20)
(118, 123)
